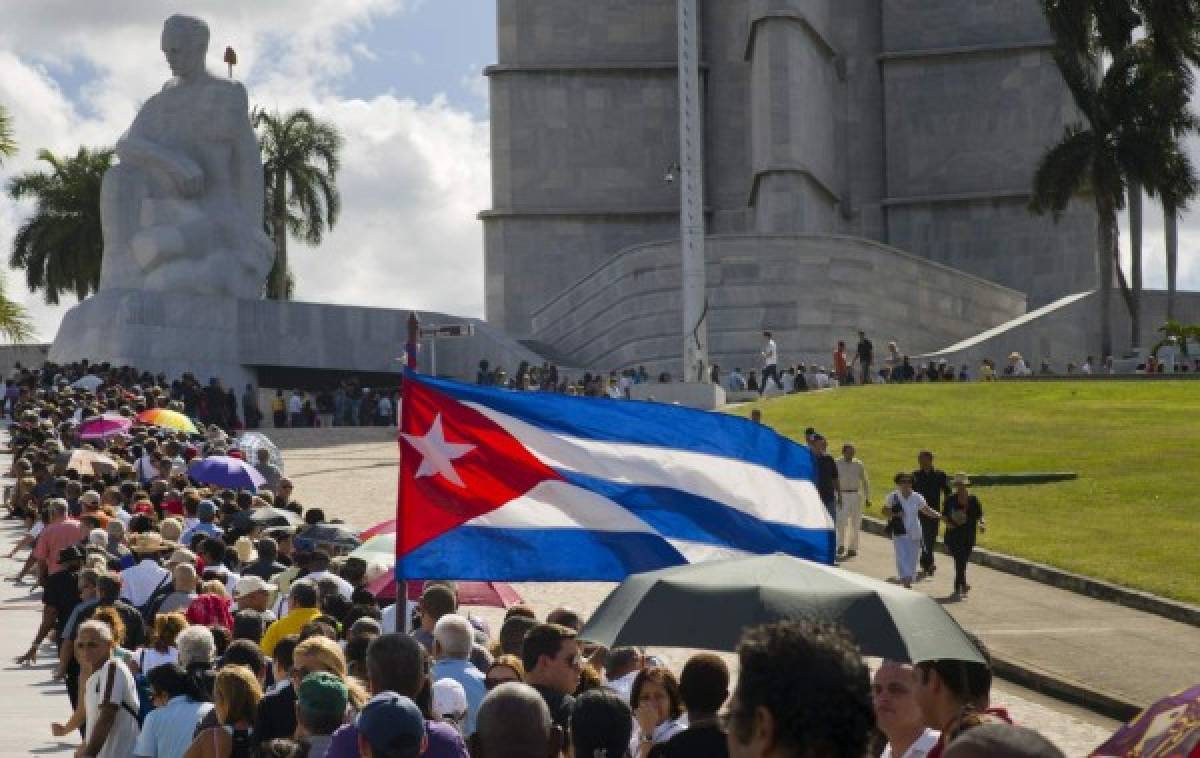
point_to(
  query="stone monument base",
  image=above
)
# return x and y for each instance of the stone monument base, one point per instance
(707, 397)
(228, 338)
(173, 333)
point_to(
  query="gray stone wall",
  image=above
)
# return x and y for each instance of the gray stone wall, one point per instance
(809, 290)
(935, 24)
(540, 31)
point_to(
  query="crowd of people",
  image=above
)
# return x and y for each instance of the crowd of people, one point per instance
(182, 628)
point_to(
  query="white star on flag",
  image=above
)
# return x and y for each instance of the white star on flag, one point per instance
(437, 453)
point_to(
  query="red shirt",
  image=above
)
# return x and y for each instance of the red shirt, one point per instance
(53, 539)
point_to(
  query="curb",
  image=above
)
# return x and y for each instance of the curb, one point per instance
(1072, 582)
(1069, 691)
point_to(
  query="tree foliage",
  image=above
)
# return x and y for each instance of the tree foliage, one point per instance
(60, 246)
(301, 158)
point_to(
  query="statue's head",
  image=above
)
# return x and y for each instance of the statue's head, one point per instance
(184, 43)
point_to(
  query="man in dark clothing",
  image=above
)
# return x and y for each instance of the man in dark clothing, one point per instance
(276, 714)
(827, 474)
(866, 356)
(267, 564)
(933, 485)
(553, 663)
(703, 686)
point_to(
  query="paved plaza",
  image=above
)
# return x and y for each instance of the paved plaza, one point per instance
(351, 473)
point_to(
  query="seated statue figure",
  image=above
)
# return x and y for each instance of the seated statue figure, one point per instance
(182, 211)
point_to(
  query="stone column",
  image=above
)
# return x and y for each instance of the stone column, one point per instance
(691, 197)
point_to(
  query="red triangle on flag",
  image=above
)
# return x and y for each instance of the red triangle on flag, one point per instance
(455, 464)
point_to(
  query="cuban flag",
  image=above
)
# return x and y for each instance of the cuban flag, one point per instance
(518, 486)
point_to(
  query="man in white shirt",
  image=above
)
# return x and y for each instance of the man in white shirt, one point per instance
(296, 409)
(139, 581)
(770, 356)
(897, 713)
(852, 479)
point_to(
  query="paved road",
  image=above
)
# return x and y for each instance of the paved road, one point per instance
(352, 473)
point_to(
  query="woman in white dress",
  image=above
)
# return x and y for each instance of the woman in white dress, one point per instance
(902, 508)
(897, 713)
(110, 695)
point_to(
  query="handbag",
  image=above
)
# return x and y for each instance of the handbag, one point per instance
(895, 524)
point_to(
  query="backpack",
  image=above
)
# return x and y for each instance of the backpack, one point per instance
(149, 609)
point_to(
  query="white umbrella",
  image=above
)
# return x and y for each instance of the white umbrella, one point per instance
(88, 383)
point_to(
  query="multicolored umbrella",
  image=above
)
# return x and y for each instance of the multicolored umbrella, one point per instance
(104, 426)
(1168, 729)
(225, 471)
(167, 419)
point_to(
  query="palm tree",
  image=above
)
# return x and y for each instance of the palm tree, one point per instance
(1119, 137)
(8, 146)
(60, 246)
(300, 165)
(14, 319)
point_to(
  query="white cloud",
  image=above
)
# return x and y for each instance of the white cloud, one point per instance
(413, 177)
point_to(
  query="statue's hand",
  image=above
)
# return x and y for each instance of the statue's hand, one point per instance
(189, 178)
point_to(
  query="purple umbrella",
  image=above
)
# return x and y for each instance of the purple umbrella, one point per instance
(104, 426)
(223, 471)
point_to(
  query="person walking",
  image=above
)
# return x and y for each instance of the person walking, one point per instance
(904, 508)
(827, 475)
(865, 357)
(932, 484)
(962, 513)
(770, 356)
(854, 489)
(841, 364)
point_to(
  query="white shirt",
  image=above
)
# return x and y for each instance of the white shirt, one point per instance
(770, 354)
(389, 617)
(822, 380)
(113, 683)
(919, 749)
(912, 506)
(139, 582)
(623, 685)
(345, 589)
(295, 404)
(148, 658)
(852, 476)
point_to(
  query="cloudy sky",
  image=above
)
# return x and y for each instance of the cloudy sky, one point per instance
(400, 77)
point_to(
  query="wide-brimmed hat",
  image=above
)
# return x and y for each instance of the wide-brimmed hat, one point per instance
(149, 542)
(963, 479)
(250, 584)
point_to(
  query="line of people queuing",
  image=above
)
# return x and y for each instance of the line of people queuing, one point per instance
(183, 629)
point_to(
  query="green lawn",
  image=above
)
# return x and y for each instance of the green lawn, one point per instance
(1132, 517)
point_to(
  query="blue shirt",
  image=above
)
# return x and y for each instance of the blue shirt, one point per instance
(167, 731)
(471, 679)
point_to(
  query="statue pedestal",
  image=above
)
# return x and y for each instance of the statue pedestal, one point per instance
(706, 397)
(156, 331)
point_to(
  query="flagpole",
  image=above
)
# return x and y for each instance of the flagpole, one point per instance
(410, 350)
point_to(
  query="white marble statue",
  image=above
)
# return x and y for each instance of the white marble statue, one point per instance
(182, 211)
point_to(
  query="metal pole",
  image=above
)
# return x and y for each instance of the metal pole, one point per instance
(691, 198)
(410, 345)
(433, 354)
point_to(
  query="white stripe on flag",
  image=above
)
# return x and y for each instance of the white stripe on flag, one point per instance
(556, 504)
(753, 489)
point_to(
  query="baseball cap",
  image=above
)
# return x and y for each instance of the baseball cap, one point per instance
(449, 700)
(323, 692)
(390, 720)
(248, 584)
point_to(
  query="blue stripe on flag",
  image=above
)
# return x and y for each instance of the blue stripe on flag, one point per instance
(681, 515)
(546, 555)
(642, 423)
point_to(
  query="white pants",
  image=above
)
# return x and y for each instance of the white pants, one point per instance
(849, 519)
(908, 551)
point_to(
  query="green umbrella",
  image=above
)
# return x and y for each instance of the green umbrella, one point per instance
(708, 605)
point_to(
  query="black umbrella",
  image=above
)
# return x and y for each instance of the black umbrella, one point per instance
(265, 517)
(336, 537)
(708, 605)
